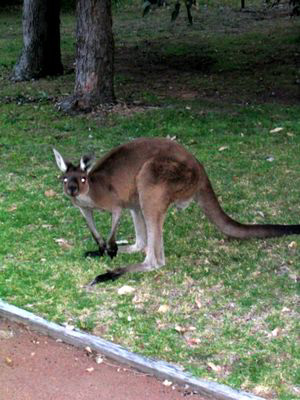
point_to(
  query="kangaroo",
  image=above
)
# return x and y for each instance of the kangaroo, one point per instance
(146, 176)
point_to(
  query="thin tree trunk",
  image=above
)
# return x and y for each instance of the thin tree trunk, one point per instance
(41, 41)
(94, 57)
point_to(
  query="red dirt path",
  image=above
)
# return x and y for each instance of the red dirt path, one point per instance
(36, 367)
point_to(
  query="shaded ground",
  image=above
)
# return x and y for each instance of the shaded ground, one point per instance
(34, 367)
(227, 56)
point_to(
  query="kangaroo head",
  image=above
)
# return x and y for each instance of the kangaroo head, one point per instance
(75, 178)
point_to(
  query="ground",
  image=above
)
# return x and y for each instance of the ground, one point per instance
(33, 366)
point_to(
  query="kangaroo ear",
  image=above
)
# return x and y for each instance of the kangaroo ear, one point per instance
(86, 163)
(60, 161)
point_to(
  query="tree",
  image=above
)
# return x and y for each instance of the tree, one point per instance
(41, 40)
(94, 57)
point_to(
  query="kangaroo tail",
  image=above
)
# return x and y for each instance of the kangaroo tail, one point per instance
(108, 276)
(207, 199)
(116, 273)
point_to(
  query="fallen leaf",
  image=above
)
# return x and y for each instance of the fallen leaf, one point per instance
(191, 328)
(50, 193)
(214, 367)
(292, 245)
(193, 341)
(125, 290)
(261, 390)
(270, 158)
(99, 359)
(294, 277)
(9, 361)
(138, 299)
(222, 148)
(6, 334)
(163, 308)
(275, 332)
(63, 243)
(69, 327)
(198, 303)
(296, 389)
(160, 325)
(276, 130)
(183, 329)
(180, 329)
(171, 137)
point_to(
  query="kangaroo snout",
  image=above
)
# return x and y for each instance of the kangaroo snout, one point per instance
(72, 190)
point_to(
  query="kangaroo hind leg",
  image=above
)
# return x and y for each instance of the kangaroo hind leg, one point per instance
(154, 204)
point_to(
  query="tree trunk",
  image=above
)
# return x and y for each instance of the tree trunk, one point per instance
(94, 57)
(41, 41)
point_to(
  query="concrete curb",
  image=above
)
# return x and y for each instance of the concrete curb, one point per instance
(157, 368)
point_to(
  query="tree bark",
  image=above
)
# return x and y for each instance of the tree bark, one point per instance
(41, 54)
(94, 57)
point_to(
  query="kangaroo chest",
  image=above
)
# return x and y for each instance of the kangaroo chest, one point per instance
(84, 201)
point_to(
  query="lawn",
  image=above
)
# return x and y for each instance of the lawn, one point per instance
(228, 89)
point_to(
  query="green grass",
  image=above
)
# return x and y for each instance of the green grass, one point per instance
(230, 306)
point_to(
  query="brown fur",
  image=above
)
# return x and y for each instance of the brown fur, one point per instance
(147, 176)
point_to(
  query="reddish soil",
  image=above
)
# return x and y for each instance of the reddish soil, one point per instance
(36, 367)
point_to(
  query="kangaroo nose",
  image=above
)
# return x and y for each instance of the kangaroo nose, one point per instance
(73, 190)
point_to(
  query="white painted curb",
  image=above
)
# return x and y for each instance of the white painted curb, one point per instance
(157, 368)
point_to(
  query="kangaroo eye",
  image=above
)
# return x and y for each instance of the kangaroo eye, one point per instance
(65, 180)
(83, 180)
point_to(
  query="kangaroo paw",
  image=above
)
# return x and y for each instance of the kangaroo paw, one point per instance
(112, 250)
